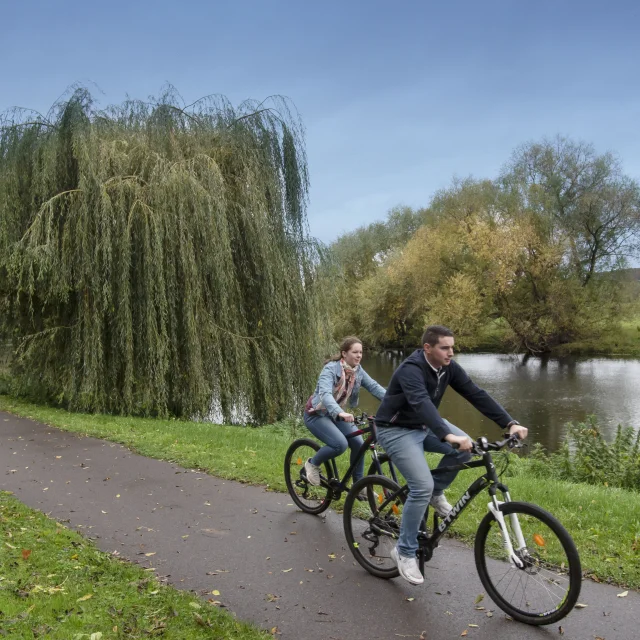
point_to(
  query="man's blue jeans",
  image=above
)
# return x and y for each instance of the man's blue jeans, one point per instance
(406, 449)
(333, 435)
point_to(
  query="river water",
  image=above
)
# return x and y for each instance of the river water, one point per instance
(542, 394)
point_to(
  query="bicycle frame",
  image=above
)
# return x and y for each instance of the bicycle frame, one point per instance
(337, 485)
(488, 481)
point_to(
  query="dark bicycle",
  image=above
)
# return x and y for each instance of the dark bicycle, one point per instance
(316, 499)
(526, 559)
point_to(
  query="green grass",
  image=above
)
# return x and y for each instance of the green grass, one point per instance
(623, 340)
(55, 584)
(604, 522)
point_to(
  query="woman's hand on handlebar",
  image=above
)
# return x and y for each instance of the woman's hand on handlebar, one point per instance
(459, 442)
(347, 417)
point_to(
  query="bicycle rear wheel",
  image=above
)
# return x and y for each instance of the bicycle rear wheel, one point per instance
(545, 589)
(386, 469)
(372, 527)
(310, 498)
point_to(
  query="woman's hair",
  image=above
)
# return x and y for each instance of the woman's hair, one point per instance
(345, 345)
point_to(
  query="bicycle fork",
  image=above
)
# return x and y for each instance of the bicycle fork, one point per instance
(494, 508)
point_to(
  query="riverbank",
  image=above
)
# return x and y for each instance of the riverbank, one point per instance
(621, 341)
(600, 519)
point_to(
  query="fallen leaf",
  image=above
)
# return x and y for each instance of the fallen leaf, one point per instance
(332, 556)
(58, 457)
(87, 597)
(624, 594)
(96, 636)
(27, 552)
(473, 626)
(152, 553)
(117, 495)
(103, 511)
(561, 630)
(489, 614)
(287, 570)
(464, 633)
(479, 598)
(581, 606)
(409, 599)
(215, 592)
(195, 605)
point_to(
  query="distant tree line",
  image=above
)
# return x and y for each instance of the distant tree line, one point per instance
(539, 253)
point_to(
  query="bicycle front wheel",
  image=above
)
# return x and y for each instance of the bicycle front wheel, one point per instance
(372, 526)
(310, 498)
(546, 585)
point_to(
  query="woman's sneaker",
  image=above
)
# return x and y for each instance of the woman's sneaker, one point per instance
(312, 472)
(408, 567)
(441, 505)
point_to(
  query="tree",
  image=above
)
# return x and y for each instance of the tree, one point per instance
(154, 257)
(582, 195)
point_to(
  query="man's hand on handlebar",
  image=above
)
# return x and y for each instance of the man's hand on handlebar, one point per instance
(463, 443)
(519, 430)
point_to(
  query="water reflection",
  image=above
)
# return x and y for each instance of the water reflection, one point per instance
(542, 393)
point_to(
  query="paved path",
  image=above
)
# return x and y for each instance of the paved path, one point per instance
(270, 562)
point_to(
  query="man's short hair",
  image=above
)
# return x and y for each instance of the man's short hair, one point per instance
(433, 333)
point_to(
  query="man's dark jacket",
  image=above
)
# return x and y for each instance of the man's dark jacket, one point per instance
(415, 392)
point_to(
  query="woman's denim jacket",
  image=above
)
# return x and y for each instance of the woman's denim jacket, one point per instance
(329, 377)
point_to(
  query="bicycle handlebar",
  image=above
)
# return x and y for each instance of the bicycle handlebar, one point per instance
(481, 445)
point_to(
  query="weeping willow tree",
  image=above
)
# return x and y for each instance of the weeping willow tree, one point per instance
(154, 258)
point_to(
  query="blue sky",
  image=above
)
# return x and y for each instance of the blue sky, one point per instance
(397, 97)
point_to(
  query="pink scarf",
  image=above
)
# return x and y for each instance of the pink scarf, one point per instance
(342, 389)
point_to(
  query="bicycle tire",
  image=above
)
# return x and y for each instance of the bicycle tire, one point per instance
(551, 565)
(311, 499)
(366, 528)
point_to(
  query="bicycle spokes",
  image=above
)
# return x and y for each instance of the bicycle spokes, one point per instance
(534, 572)
(373, 525)
(308, 497)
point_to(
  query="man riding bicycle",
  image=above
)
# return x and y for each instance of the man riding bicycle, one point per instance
(409, 424)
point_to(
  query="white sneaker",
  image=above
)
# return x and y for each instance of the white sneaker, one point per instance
(441, 506)
(408, 567)
(313, 473)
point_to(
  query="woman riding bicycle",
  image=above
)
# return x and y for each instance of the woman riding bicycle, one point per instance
(339, 383)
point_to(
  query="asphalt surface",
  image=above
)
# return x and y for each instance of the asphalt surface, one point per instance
(272, 564)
